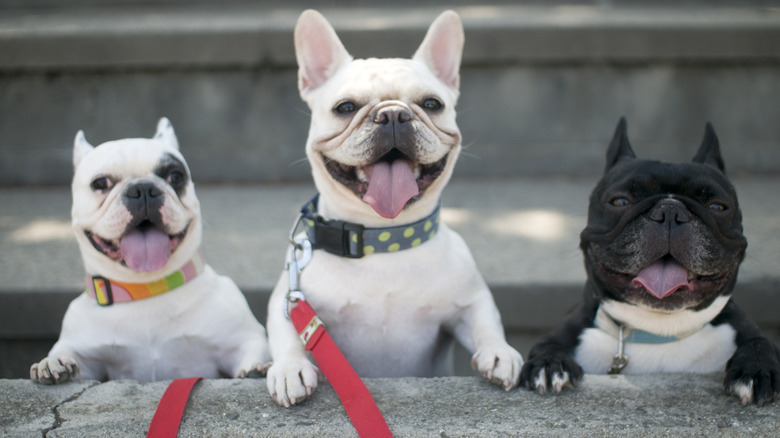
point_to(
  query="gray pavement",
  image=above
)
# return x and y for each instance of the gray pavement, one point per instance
(613, 406)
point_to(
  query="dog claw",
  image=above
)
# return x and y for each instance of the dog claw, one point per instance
(743, 391)
(560, 381)
(257, 370)
(54, 371)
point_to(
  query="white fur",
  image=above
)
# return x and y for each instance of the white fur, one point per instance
(203, 328)
(540, 381)
(663, 323)
(389, 313)
(559, 381)
(743, 391)
(705, 351)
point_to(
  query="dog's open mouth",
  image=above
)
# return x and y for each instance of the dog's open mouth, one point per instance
(665, 277)
(389, 184)
(145, 248)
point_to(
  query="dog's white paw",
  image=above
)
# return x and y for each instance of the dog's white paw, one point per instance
(498, 364)
(290, 382)
(256, 371)
(53, 370)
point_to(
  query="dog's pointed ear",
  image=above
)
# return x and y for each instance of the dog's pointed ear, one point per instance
(619, 147)
(442, 48)
(709, 151)
(81, 148)
(318, 49)
(166, 134)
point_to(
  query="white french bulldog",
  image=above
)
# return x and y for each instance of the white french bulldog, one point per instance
(152, 310)
(382, 145)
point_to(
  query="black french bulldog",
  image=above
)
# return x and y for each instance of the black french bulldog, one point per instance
(662, 248)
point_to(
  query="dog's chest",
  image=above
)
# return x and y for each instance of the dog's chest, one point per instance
(705, 351)
(391, 313)
(192, 330)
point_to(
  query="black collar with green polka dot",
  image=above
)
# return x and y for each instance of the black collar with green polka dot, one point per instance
(352, 240)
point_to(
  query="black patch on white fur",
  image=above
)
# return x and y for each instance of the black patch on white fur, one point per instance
(167, 168)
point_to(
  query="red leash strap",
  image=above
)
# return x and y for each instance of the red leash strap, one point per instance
(354, 395)
(167, 417)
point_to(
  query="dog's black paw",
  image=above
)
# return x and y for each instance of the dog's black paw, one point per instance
(753, 372)
(551, 371)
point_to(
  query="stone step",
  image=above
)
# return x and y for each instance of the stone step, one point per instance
(650, 406)
(543, 85)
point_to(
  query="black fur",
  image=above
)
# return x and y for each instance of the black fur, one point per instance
(687, 213)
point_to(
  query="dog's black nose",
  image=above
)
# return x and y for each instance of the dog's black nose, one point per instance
(140, 190)
(392, 115)
(670, 212)
(143, 201)
(393, 129)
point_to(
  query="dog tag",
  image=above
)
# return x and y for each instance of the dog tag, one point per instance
(619, 361)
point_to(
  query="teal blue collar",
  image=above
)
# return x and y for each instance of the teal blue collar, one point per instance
(608, 324)
(347, 239)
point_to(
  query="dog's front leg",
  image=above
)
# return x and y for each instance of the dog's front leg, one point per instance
(54, 370)
(60, 366)
(292, 377)
(481, 332)
(753, 371)
(550, 364)
(253, 357)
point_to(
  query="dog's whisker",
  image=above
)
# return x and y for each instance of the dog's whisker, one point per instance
(298, 162)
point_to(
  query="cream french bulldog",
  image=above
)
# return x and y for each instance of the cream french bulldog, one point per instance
(152, 310)
(393, 286)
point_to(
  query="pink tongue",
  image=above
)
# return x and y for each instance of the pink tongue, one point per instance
(390, 187)
(145, 250)
(662, 278)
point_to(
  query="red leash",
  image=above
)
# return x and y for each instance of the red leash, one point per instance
(354, 395)
(167, 417)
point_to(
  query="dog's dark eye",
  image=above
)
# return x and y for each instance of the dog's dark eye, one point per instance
(432, 104)
(345, 108)
(620, 202)
(101, 184)
(175, 178)
(717, 206)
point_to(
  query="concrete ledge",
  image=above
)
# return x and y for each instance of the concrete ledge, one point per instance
(652, 405)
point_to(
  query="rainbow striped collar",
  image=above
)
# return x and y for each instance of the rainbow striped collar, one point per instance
(108, 292)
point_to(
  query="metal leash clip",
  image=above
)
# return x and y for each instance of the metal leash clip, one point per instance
(300, 255)
(620, 360)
